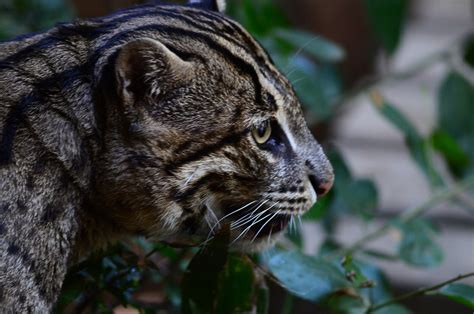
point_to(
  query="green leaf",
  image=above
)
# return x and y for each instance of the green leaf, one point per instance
(355, 275)
(328, 246)
(456, 112)
(258, 17)
(317, 86)
(362, 197)
(355, 195)
(455, 156)
(314, 46)
(417, 246)
(387, 18)
(236, 286)
(393, 309)
(346, 304)
(469, 51)
(340, 166)
(381, 291)
(460, 293)
(203, 271)
(348, 195)
(262, 300)
(418, 146)
(216, 282)
(320, 208)
(307, 277)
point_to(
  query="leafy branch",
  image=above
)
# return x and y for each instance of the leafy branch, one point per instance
(410, 214)
(418, 292)
(385, 78)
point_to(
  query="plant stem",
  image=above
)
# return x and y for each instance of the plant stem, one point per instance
(418, 292)
(412, 213)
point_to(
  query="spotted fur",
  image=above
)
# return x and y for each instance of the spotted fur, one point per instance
(140, 123)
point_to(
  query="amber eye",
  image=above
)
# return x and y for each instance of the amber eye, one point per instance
(262, 133)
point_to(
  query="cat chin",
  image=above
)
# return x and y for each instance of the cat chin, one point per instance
(245, 244)
(257, 245)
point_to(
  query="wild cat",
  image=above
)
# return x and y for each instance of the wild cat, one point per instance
(153, 121)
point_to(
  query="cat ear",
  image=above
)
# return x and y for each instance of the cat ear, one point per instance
(145, 67)
(213, 5)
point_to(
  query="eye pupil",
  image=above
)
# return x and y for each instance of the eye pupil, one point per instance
(262, 132)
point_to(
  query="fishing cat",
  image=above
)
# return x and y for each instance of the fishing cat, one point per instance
(159, 120)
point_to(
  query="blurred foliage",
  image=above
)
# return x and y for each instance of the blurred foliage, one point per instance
(455, 119)
(460, 293)
(417, 145)
(153, 276)
(387, 18)
(26, 16)
(417, 246)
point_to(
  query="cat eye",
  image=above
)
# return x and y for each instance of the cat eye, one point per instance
(262, 133)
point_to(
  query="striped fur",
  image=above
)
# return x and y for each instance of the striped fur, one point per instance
(141, 123)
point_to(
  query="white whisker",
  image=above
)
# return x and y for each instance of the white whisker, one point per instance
(255, 221)
(231, 213)
(261, 228)
(290, 226)
(213, 214)
(290, 72)
(260, 204)
(297, 53)
(247, 220)
(189, 178)
(293, 83)
(244, 217)
(300, 222)
(269, 237)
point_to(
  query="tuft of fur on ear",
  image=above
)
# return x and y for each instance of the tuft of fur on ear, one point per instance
(145, 67)
(213, 5)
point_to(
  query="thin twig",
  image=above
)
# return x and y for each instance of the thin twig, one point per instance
(418, 292)
(410, 214)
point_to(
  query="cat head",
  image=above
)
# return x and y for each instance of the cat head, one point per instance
(205, 131)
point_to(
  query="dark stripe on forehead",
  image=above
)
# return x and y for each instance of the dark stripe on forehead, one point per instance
(234, 27)
(205, 26)
(261, 56)
(192, 16)
(220, 26)
(206, 150)
(91, 31)
(239, 63)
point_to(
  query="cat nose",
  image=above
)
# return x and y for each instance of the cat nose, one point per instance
(321, 187)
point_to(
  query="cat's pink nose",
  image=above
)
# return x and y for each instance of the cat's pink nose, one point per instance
(322, 187)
